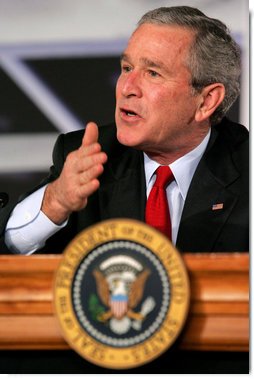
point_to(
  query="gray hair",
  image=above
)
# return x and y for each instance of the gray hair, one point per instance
(214, 56)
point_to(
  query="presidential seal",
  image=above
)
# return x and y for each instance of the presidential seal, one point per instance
(121, 294)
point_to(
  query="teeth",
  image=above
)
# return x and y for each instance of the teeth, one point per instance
(130, 113)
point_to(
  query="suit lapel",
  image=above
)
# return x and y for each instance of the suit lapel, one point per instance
(209, 200)
(122, 194)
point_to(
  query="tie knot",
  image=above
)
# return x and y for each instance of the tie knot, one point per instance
(163, 176)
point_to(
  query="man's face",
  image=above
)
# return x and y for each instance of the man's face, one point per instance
(155, 106)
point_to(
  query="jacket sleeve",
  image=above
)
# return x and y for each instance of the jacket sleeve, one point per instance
(54, 172)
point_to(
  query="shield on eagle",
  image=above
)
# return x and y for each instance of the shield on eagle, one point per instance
(119, 305)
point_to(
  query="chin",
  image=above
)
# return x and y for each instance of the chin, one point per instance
(126, 138)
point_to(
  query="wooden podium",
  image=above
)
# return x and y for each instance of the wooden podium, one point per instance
(218, 319)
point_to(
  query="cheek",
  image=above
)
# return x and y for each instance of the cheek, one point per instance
(162, 95)
(161, 103)
(171, 104)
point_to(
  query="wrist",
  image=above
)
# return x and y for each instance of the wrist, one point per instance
(52, 207)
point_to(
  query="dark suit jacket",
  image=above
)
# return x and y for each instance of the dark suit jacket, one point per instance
(221, 178)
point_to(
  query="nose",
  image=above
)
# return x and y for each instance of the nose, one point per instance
(131, 85)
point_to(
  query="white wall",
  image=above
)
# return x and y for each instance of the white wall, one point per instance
(61, 20)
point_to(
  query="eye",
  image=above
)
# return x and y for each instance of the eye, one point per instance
(153, 73)
(126, 68)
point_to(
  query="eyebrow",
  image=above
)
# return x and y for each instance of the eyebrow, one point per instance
(146, 62)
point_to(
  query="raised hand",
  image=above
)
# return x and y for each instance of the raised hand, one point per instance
(78, 179)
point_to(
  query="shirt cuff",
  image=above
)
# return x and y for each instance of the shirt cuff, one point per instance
(28, 227)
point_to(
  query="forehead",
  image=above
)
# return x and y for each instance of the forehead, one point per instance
(161, 41)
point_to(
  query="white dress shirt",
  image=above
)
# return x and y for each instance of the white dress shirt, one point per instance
(183, 170)
(28, 228)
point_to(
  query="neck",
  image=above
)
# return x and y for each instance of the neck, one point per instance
(172, 154)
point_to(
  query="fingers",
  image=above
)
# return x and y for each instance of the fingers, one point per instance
(91, 134)
(89, 153)
(78, 179)
(90, 174)
(86, 162)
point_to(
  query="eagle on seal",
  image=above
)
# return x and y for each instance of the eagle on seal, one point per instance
(121, 298)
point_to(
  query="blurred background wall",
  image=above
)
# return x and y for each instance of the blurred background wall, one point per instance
(59, 62)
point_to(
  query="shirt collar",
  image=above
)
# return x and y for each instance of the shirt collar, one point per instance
(183, 168)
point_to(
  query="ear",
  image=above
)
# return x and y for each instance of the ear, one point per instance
(210, 98)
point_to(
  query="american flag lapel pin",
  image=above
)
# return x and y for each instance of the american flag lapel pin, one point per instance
(218, 206)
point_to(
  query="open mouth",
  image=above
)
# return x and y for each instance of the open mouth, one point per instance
(129, 112)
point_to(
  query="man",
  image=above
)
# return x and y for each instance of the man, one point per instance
(179, 75)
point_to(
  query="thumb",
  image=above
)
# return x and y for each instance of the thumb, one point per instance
(91, 134)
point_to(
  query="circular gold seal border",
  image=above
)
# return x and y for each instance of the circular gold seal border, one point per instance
(164, 337)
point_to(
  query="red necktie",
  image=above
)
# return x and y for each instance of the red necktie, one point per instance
(157, 210)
